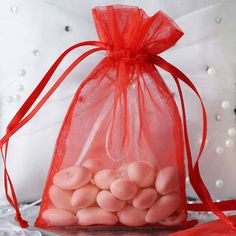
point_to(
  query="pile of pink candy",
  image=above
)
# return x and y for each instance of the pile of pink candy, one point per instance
(134, 195)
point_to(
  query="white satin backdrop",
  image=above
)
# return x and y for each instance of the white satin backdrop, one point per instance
(209, 40)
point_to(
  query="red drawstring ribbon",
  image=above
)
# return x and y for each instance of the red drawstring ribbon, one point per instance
(21, 118)
(194, 173)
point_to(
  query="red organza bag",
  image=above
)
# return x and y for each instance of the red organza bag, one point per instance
(119, 156)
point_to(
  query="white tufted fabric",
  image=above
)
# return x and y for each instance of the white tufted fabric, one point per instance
(207, 54)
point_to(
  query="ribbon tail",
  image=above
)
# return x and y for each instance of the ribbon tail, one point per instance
(20, 119)
(194, 173)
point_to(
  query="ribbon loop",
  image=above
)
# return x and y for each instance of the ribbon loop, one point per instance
(21, 117)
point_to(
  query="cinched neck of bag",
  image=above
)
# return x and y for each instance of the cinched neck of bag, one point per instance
(127, 54)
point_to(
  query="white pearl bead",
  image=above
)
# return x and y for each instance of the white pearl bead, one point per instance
(36, 52)
(219, 150)
(218, 117)
(211, 71)
(229, 143)
(20, 87)
(232, 132)
(14, 8)
(218, 20)
(219, 183)
(22, 73)
(10, 99)
(225, 104)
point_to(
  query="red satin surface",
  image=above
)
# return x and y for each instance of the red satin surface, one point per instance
(215, 228)
(132, 40)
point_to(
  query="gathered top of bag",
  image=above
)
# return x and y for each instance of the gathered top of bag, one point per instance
(128, 32)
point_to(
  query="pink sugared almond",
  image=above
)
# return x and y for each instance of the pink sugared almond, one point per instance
(141, 173)
(107, 201)
(105, 177)
(95, 216)
(132, 216)
(123, 189)
(59, 217)
(163, 208)
(145, 198)
(166, 180)
(72, 177)
(84, 196)
(61, 198)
